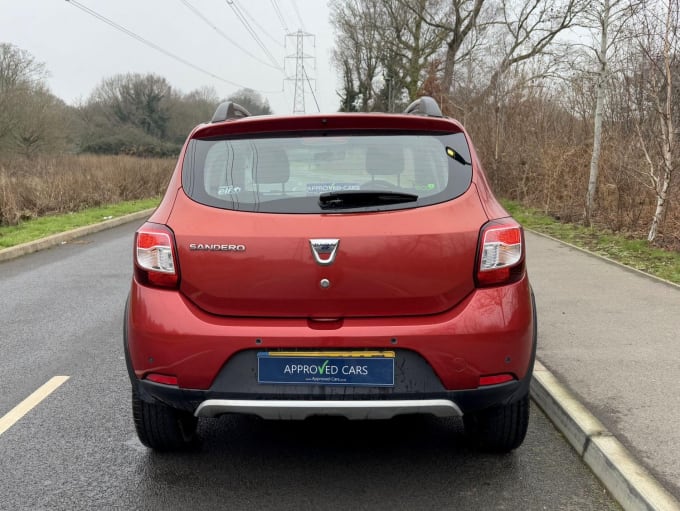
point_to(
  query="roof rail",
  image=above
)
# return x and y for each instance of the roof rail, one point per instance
(229, 110)
(424, 105)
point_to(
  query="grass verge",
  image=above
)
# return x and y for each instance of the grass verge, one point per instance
(37, 228)
(635, 253)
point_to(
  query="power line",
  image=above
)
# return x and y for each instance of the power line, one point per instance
(262, 30)
(297, 13)
(304, 70)
(156, 47)
(252, 32)
(225, 36)
(280, 15)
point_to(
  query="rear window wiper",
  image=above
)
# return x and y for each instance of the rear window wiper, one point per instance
(362, 198)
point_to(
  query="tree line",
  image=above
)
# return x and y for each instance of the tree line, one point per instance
(573, 104)
(132, 114)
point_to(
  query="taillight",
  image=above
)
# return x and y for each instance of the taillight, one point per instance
(501, 253)
(155, 259)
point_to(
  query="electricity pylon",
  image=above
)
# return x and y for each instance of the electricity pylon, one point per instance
(301, 75)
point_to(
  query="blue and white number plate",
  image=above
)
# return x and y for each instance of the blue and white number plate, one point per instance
(366, 368)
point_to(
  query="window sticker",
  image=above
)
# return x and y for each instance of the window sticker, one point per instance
(331, 187)
(429, 186)
(223, 191)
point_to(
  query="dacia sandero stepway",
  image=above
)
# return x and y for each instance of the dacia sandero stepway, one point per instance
(348, 264)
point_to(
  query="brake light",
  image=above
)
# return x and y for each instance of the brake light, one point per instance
(501, 253)
(155, 260)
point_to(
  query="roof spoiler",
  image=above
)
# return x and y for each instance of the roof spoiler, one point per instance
(229, 110)
(424, 105)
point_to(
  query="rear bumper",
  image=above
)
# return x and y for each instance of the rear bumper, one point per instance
(441, 357)
(416, 390)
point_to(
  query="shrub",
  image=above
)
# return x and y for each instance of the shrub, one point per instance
(60, 184)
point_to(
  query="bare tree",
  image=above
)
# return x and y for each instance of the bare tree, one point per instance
(358, 49)
(188, 110)
(383, 51)
(457, 21)
(493, 37)
(526, 29)
(609, 18)
(410, 45)
(32, 120)
(659, 44)
(19, 75)
(19, 68)
(42, 124)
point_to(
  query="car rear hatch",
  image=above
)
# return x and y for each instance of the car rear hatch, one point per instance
(406, 262)
(327, 227)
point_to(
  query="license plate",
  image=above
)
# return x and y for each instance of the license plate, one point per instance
(363, 368)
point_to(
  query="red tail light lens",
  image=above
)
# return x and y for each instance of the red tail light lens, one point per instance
(155, 258)
(495, 379)
(163, 379)
(501, 253)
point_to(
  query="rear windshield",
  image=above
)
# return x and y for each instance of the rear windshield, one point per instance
(295, 174)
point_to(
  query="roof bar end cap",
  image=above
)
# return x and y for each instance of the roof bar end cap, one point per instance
(229, 110)
(424, 105)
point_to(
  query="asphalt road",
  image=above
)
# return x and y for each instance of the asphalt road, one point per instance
(611, 335)
(61, 314)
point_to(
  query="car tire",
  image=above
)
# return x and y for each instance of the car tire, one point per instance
(499, 429)
(162, 428)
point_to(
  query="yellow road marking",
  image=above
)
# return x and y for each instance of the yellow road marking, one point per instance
(343, 354)
(16, 413)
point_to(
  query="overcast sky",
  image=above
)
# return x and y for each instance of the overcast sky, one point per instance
(80, 50)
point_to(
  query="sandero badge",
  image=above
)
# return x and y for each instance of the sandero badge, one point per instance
(353, 265)
(217, 247)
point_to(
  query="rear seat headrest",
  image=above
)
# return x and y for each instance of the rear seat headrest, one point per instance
(270, 166)
(384, 161)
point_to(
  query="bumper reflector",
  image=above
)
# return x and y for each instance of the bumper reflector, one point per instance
(163, 379)
(495, 379)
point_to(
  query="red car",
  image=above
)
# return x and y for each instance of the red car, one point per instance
(344, 264)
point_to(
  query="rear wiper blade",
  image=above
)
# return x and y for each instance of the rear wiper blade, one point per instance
(362, 198)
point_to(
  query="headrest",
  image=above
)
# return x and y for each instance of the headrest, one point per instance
(384, 161)
(271, 166)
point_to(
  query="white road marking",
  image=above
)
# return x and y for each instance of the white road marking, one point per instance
(16, 413)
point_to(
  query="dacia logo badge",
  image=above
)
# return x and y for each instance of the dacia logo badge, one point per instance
(324, 250)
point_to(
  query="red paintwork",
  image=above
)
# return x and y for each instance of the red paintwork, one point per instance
(405, 274)
(332, 122)
(404, 262)
(461, 344)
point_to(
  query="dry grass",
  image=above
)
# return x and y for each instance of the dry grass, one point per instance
(35, 187)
